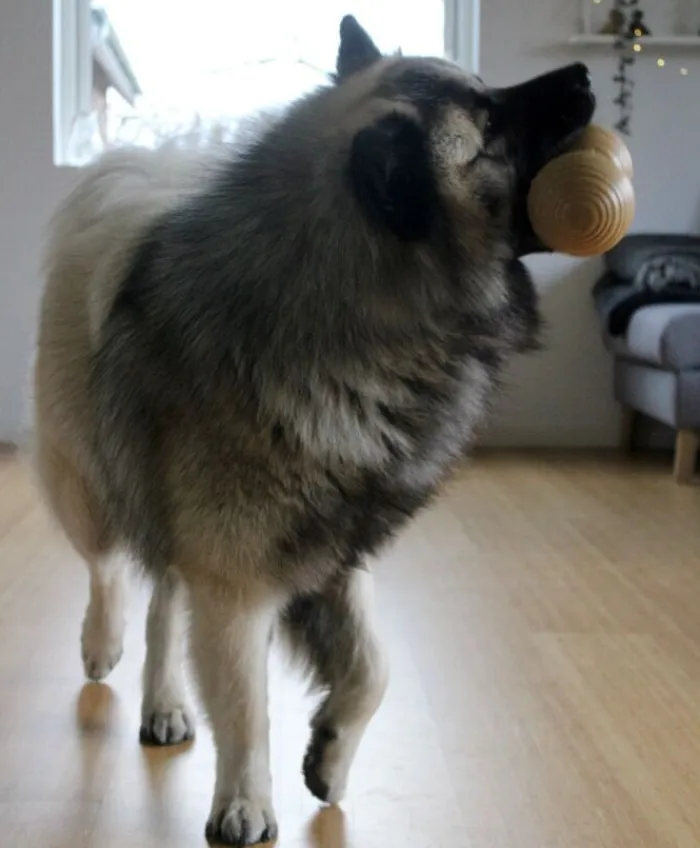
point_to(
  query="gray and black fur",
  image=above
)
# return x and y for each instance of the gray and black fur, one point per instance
(293, 353)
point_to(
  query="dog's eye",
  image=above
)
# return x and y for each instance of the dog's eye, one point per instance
(491, 143)
(488, 132)
(492, 124)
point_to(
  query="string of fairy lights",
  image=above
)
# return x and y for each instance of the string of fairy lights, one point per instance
(661, 62)
(629, 30)
(638, 47)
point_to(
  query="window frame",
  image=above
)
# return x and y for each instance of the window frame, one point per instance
(72, 70)
(463, 33)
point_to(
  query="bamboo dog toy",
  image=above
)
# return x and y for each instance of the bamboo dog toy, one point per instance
(582, 202)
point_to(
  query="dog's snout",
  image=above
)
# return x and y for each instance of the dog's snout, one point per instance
(578, 75)
(552, 86)
(551, 105)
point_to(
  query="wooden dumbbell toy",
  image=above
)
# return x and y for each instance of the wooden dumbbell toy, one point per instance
(582, 202)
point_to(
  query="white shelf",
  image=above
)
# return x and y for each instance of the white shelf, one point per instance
(671, 41)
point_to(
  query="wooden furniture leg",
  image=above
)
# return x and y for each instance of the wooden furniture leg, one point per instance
(687, 442)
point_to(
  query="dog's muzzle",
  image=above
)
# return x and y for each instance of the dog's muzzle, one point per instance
(539, 117)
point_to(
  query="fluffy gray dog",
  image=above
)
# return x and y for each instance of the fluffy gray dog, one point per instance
(254, 366)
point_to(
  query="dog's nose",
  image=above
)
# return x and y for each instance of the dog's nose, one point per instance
(578, 74)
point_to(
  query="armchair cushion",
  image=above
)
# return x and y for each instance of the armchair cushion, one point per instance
(665, 335)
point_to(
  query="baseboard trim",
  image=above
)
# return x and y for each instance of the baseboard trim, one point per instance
(561, 437)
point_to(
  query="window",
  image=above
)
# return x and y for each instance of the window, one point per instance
(143, 71)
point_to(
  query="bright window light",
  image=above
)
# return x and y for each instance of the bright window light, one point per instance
(222, 56)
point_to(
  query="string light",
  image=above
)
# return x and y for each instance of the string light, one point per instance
(660, 62)
(625, 10)
(684, 72)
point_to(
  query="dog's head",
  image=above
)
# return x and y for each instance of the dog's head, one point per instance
(432, 143)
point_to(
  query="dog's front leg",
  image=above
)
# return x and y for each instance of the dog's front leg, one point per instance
(230, 637)
(165, 715)
(332, 631)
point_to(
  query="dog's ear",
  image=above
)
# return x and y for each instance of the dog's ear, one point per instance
(357, 50)
(392, 177)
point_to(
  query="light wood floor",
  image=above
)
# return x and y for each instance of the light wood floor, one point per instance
(544, 628)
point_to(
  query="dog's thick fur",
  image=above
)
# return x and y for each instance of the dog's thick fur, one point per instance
(255, 365)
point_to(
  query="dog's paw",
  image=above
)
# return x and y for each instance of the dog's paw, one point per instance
(101, 642)
(241, 822)
(166, 725)
(326, 765)
(166, 718)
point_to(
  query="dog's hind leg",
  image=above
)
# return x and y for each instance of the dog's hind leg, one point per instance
(77, 510)
(230, 637)
(166, 718)
(332, 632)
(104, 623)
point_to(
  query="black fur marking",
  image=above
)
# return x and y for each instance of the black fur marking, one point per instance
(424, 390)
(127, 434)
(313, 760)
(391, 176)
(381, 509)
(129, 413)
(277, 433)
(493, 201)
(357, 405)
(353, 520)
(323, 631)
(395, 450)
(314, 531)
(401, 420)
(269, 834)
(213, 828)
(132, 294)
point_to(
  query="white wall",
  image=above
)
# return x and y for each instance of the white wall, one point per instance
(29, 188)
(562, 396)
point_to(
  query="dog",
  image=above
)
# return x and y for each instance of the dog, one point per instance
(256, 364)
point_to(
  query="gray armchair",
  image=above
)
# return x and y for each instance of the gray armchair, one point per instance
(649, 301)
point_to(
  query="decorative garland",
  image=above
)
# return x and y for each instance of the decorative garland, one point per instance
(624, 41)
